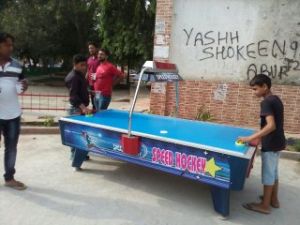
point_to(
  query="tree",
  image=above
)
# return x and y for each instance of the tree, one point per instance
(50, 29)
(75, 19)
(3, 4)
(128, 31)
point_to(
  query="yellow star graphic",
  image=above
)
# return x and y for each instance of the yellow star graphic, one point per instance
(211, 167)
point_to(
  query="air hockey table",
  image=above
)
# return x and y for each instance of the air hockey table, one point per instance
(202, 151)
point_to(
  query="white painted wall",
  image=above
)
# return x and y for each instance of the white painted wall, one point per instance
(256, 32)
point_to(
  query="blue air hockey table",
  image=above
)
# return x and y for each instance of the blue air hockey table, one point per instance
(201, 151)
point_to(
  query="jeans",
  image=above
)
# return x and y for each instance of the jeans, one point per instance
(269, 167)
(77, 155)
(101, 102)
(11, 132)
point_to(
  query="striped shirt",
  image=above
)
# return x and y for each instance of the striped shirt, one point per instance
(10, 75)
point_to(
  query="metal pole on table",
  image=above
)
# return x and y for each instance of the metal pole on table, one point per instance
(134, 101)
(177, 98)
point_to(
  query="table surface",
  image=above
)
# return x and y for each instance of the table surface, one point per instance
(211, 136)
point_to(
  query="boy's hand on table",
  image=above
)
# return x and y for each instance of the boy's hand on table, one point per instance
(251, 140)
(87, 111)
(245, 139)
(90, 111)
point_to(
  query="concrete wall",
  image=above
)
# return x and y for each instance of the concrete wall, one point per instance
(220, 85)
(232, 40)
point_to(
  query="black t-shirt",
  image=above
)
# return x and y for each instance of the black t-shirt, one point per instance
(78, 88)
(274, 141)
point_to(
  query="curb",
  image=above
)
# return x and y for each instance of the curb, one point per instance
(286, 155)
(290, 155)
(39, 130)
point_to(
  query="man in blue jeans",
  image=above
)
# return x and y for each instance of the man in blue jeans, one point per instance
(79, 100)
(106, 77)
(12, 83)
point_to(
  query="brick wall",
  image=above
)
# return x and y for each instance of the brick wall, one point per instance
(239, 106)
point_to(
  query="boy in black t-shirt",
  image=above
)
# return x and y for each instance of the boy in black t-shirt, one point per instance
(79, 101)
(273, 141)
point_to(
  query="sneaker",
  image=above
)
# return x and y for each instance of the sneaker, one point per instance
(17, 185)
(77, 169)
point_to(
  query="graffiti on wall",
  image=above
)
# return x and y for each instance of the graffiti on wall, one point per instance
(216, 45)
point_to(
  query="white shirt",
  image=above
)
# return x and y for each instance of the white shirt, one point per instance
(10, 75)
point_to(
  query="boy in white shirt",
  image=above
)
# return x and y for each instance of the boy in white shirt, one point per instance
(12, 82)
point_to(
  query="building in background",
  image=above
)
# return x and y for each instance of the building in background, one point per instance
(218, 47)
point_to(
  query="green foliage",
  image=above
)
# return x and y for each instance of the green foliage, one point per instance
(49, 121)
(203, 114)
(49, 29)
(293, 144)
(127, 30)
(297, 146)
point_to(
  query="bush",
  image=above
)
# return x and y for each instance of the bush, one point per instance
(297, 146)
(49, 122)
(203, 114)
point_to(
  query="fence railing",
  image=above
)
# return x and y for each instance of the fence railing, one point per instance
(44, 102)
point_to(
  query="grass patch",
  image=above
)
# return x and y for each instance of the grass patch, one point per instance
(293, 144)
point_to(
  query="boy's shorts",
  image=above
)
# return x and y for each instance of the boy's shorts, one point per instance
(269, 167)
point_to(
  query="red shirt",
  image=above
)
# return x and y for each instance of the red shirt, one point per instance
(105, 76)
(93, 63)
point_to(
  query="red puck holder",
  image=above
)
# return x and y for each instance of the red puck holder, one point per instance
(130, 144)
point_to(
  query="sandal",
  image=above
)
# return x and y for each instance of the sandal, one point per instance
(253, 207)
(276, 206)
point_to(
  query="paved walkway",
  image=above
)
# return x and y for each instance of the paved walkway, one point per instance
(114, 193)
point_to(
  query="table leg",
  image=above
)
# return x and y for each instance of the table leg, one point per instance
(221, 200)
(79, 157)
(251, 164)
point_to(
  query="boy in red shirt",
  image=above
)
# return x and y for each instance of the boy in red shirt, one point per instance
(107, 76)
